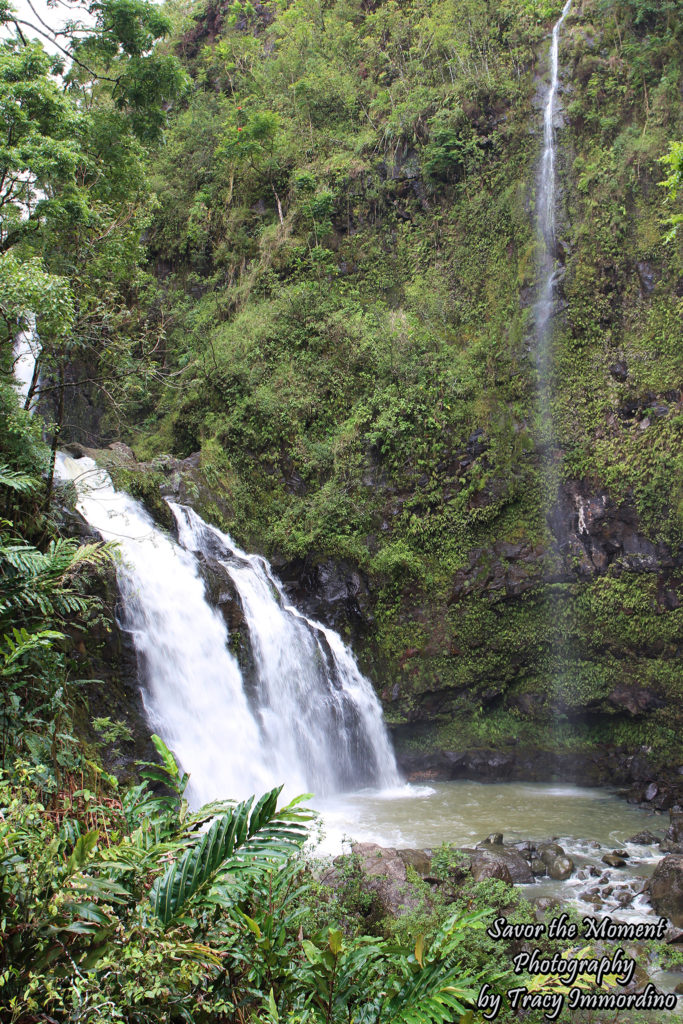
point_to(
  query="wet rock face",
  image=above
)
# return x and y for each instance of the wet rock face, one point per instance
(592, 531)
(335, 593)
(646, 277)
(223, 595)
(110, 658)
(666, 889)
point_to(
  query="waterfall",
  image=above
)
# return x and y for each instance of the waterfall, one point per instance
(545, 213)
(26, 353)
(562, 659)
(316, 710)
(314, 722)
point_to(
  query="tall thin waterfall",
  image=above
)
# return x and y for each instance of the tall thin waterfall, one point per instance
(314, 722)
(561, 658)
(545, 215)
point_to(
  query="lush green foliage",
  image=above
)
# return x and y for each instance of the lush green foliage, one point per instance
(347, 248)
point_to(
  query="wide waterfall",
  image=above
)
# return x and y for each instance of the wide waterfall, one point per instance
(313, 720)
(317, 712)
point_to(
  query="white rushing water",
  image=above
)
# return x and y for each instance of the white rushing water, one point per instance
(318, 714)
(26, 352)
(545, 210)
(314, 723)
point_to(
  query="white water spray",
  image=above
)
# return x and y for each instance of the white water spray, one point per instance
(319, 715)
(546, 205)
(314, 724)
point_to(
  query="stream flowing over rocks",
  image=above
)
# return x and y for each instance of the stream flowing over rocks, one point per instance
(620, 884)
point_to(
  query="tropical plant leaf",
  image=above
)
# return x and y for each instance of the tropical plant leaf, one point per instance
(260, 835)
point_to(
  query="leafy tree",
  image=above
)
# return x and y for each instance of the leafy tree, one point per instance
(673, 183)
(73, 191)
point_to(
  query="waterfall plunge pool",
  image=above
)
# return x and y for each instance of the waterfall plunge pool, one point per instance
(462, 813)
(313, 708)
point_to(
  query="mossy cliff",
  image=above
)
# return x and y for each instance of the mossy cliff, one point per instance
(345, 247)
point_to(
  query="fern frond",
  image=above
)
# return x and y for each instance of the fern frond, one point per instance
(244, 838)
(22, 642)
(15, 480)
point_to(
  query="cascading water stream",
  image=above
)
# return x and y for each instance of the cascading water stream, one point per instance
(316, 710)
(315, 723)
(561, 658)
(545, 221)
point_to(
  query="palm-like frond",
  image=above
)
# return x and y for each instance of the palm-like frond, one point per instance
(15, 480)
(243, 837)
(39, 581)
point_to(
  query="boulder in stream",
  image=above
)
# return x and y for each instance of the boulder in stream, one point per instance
(561, 868)
(674, 832)
(614, 860)
(547, 852)
(384, 875)
(516, 865)
(490, 866)
(644, 838)
(666, 889)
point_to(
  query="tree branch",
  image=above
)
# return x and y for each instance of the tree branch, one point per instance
(67, 53)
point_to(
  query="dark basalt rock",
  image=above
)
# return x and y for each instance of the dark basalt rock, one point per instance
(487, 854)
(666, 889)
(674, 833)
(591, 527)
(548, 852)
(384, 875)
(495, 839)
(525, 763)
(619, 370)
(644, 838)
(110, 658)
(488, 865)
(334, 593)
(646, 277)
(613, 860)
(416, 859)
(223, 595)
(591, 532)
(636, 700)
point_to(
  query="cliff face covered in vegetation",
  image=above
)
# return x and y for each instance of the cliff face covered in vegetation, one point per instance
(345, 244)
(286, 253)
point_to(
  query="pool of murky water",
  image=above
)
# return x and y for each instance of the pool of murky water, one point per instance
(588, 823)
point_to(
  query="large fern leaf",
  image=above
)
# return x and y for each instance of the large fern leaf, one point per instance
(243, 837)
(15, 480)
(40, 581)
